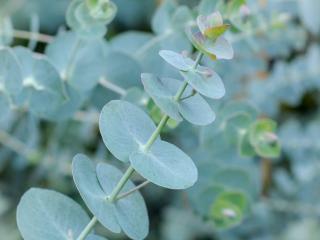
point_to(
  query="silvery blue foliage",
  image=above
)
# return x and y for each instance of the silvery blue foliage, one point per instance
(221, 159)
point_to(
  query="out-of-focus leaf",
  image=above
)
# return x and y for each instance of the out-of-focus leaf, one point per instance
(45, 214)
(229, 209)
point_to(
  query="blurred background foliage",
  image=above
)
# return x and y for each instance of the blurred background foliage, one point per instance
(275, 74)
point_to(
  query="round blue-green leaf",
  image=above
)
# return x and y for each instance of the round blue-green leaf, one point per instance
(165, 165)
(191, 106)
(131, 211)
(79, 20)
(263, 138)
(177, 60)
(45, 214)
(196, 110)
(162, 91)
(206, 82)
(85, 178)
(203, 200)
(115, 72)
(10, 72)
(124, 128)
(236, 178)
(229, 209)
(80, 62)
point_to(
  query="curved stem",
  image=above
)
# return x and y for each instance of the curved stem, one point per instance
(17, 146)
(88, 229)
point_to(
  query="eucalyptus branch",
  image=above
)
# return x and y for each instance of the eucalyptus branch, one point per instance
(113, 87)
(17, 146)
(114, 195)
(44, 38)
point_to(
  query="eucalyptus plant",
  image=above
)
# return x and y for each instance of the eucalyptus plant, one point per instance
(132, 137)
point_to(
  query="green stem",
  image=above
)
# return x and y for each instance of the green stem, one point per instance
(125, 194)
(156, 133)
(113, 196)
(121, 183)
(88, 229)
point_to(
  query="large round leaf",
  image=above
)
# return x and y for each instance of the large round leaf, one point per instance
(10, 72)
(124, 128)
(206, 82)
(85, 178)
(44, 214)
(191, 106)
(165, 165)
(131, 211)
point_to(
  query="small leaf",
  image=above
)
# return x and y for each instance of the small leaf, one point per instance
(229, 209)
(263, 138)
(102, 10)
(165, 165)
(80, 19)
(205, 198)
(236, 125)
(85, 178)
(206, 82)
(177, 60)
(44, 214)
(191, 106)
(131, 211)
(212, 26)
(162, 91)
(196, 110)
(219, 48)
(124, 128)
